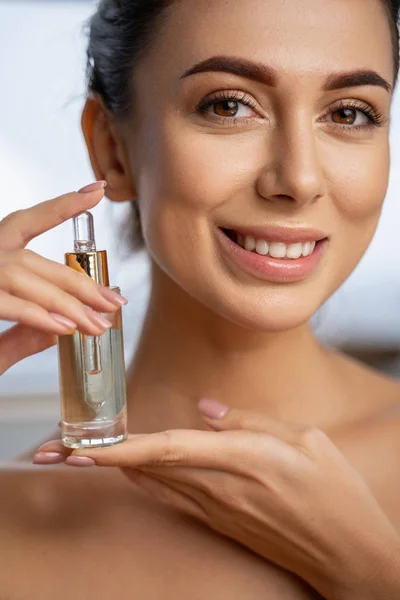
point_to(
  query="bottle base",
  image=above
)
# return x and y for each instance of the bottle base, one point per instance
(76, 443)
(93, 435)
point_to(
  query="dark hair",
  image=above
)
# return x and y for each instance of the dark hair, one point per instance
(121, 31)
(393, 9)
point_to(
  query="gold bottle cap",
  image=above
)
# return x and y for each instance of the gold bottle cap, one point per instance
(94, 264)
(86, 259)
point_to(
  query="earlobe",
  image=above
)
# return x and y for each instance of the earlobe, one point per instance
(106, 151)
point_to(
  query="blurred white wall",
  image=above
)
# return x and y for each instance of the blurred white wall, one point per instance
(42, 155)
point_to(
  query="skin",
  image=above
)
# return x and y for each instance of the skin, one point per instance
(211, 329)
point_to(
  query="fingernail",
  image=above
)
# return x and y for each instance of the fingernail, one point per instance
(92, 187)
(64, 321)
(212, 408)
(46, 458)
(80, 461)
(97, 319)
(112, 296)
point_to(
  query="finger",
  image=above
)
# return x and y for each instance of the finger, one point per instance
(79, 461)
(181, 500)
(204, 496)
(213, 490)
(30, 314)
(49, 458)
(25, 285)
(205, 483)
(222, 418)
(50, 453)
(54, 451)
(231, 451)
(21, 341)
(20, 227)
(79, 285)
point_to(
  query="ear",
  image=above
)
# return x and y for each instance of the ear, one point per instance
(107, 151)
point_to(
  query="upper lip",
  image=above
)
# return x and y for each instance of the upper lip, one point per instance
(279, 234)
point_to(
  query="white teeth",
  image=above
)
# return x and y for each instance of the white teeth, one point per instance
(262, 247)
(294, 250)
(249, 243)
(276, 249)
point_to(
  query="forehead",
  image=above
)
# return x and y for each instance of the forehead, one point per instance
(294, 36)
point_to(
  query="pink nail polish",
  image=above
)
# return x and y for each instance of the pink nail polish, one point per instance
(80, 461)
(97, 319)
(93, 187)
(63, 320)
(112, 296)
(212, 408)
(47, 458)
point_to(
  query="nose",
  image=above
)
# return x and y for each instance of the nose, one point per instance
(293, 172)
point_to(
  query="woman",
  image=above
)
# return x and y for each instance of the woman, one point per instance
(254, 139)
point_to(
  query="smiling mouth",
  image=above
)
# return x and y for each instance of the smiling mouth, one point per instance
(282, 250)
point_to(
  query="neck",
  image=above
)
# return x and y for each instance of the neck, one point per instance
(186, 352)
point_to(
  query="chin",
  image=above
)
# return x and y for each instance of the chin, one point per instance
(273, 310)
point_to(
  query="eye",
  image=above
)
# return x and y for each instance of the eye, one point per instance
(354, 115)
(229, 106)
(350, 116)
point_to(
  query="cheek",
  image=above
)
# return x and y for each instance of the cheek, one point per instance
(359, 190)
(195, 169)
(358, 184)
(186, 179)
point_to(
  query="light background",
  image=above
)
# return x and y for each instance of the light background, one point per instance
(42, 155)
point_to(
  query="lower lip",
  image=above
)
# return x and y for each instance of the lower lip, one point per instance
(279, 270)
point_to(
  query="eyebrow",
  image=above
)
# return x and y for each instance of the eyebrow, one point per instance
(236, 66)
(337, 81)
(269, 76)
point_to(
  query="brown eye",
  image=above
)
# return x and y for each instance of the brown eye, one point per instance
(344, 116)
(226, 108)
(229, 108)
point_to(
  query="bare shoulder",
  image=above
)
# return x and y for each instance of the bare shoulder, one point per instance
(55, 526)
(378, 389)
(372, 397)
(372, 441)
(93, 530)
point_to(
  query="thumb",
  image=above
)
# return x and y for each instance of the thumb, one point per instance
(220, 417)
(21, 341)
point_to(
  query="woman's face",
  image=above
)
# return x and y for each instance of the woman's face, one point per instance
(280, 136)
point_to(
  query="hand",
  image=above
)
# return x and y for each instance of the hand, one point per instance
(44, 298)
(283, 490)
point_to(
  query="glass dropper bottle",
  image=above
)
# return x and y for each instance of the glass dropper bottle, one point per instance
(92, 368)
